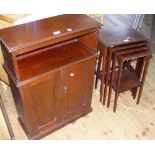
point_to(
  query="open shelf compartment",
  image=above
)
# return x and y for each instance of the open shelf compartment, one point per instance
(51, 58)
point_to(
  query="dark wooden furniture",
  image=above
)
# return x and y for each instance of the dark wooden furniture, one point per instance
(125, 78)
(111, 41)
(8, 124)
(50, 64)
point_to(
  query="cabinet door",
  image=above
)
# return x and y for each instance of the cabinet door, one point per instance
(43, 102)
(78, 85)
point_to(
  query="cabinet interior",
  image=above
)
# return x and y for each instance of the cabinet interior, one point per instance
(50, 58)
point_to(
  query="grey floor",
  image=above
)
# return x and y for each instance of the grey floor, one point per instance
(147, 27)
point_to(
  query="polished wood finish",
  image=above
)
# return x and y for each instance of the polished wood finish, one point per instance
(109, 34)
(131, 78)
(51, 59)
(40, 33)
(138, 70)
(127, 79)
(147, 61)
(110, 60)
(117, 41)
(112, 39)
(130, 121)
(52, 78)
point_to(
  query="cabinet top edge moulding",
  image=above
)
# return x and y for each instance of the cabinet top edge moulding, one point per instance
(44, 32)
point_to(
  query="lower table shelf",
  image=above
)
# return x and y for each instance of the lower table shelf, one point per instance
(129, 80)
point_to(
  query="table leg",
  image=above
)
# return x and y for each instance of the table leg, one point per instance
(139, 69)
(111, 81)
(103, 72)
(117, 86)
(98, 67)
(147, 60)
(107, 77)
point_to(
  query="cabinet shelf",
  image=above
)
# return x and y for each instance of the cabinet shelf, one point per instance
(51, 58)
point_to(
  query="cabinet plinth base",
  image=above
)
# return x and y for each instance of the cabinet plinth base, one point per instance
(52, 129)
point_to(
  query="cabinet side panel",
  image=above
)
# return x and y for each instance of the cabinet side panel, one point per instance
(90, 80)
(17, 99)
(8, 59)
(90, 40)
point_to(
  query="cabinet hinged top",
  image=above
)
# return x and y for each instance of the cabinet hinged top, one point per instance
(44, 32)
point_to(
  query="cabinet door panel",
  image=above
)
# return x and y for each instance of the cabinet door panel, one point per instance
(44, 97)
(78, 90)
(43, 100)
(76, 87)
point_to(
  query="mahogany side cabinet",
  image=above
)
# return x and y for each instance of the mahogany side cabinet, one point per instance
(50, 64)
